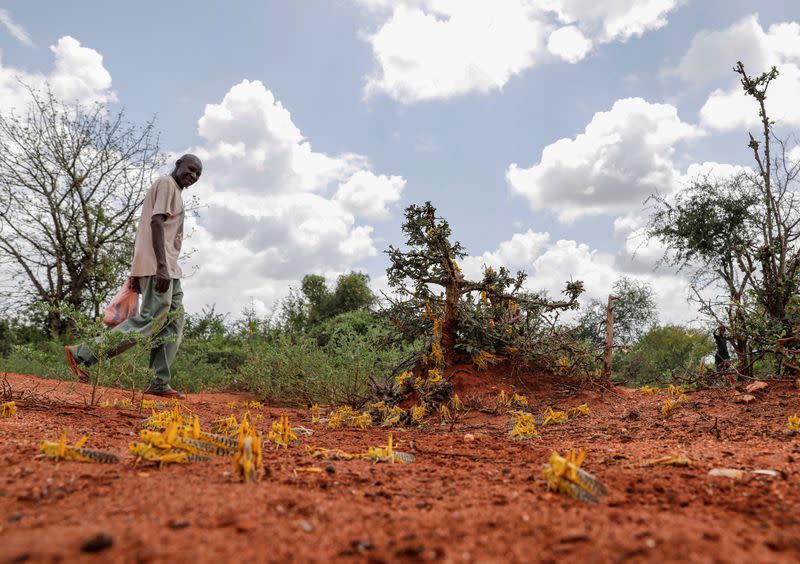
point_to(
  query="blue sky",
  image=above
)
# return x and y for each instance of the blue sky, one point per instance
(418, 133)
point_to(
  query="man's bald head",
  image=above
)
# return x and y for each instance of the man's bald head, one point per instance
(187, 171)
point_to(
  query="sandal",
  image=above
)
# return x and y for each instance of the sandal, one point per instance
(81, 374)
(168, 393)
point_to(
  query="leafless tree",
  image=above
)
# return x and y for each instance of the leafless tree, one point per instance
(72, 178)
(743, 236)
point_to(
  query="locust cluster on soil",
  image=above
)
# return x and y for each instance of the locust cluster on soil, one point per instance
(679, 460)
(647, 390)
(579, 411)
(386, 416)
(418, 414)
(172, 437)
(564, 474)
(282, 433)
(346, 416)
(514, 400)
(674, 390)
(794, 423)
(552, 416)
(9, 408)
(385, 453)
(433, 391)
(671, 407)
(62, 451)
(126, 403)
(321, 453)
(518, 400)
(227, 426)
(401, 379)
(388, 454)
(161, 419)
(451, 411)
(522, 426)
(247, 462)
(502, 399)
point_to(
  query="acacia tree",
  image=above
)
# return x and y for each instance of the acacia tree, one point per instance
(434, 297)
(71, 180)
(776, 177)
(315, 302)
(709, 231)
(742, 235)
(635, 313)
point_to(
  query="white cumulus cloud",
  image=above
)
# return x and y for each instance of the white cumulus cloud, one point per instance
(518, 252)
(369, 195)
(617, 20)
(712, 55)
(569, 43)
(550, 264)
(79, 75)
(623, 156)
(430, 50)
(711, 51)
(274, 207)
(438, 49)
(729, 109)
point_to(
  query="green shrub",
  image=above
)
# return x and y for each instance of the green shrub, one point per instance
(45, 359)
(329, 363)
(202, 366)
(5, 338)
(292, 369)
(663, 354)
(357, 322)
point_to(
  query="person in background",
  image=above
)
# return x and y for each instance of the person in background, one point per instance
(155, 274)
(722, 358)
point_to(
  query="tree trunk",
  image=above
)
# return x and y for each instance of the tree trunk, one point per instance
(609, 348)
(449, 324)
(742, 356)
(56, 324)
(741, 344)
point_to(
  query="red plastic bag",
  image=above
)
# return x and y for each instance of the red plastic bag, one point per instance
(124, 306)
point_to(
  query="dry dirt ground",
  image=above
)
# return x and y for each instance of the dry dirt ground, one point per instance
(462, 500)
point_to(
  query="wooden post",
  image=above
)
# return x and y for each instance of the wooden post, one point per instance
(609, 337)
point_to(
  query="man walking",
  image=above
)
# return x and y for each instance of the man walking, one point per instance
(722, 358)
(155, 274)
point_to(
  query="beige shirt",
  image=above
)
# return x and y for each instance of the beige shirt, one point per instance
(163, 197)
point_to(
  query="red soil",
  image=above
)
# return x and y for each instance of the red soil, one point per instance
(481, 500)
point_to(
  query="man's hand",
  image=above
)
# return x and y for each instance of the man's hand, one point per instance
(157, 231)
(162, 280)
(134, 284)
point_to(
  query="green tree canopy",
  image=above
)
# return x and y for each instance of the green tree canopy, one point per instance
(315, 302)
(72, 179)
(635, 313)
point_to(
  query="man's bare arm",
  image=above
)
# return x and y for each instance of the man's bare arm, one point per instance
(157, 231)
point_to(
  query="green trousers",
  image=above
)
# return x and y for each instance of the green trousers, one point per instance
(160, 315)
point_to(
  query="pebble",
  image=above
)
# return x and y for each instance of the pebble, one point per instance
(97, 543)
(246, 526)
(727, 473)
(306, 526)
(469, 437)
